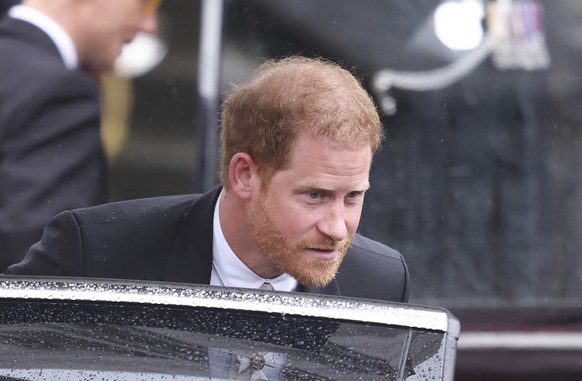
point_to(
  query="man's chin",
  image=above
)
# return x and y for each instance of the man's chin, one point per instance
(317, 283)
(319, 274)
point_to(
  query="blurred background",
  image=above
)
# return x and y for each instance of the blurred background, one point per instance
(478, 183)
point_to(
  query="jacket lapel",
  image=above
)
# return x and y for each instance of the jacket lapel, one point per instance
(191, 258)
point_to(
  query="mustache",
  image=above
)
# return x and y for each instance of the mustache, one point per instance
(327, 244)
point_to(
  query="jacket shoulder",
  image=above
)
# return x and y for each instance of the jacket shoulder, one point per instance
(123, 211)
(127, 239)
(367, 246)
(373, 270)
(132, 239)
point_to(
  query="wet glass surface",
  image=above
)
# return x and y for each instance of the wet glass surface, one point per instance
(102, 341)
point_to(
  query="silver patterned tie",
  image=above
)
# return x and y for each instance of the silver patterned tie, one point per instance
(266, 286)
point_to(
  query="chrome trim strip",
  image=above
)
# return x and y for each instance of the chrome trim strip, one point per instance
(371, 311)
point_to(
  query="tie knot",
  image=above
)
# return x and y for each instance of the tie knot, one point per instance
(266, 286)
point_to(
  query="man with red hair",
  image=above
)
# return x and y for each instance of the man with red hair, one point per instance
(297, 146)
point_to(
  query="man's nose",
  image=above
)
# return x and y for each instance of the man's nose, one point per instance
(334, 223)
(149, 23)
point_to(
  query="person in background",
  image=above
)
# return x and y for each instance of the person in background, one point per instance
(297, 144)
(51, 155)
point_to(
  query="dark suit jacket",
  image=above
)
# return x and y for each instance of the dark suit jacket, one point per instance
(170, 239)
(51, 158)
(5, 5)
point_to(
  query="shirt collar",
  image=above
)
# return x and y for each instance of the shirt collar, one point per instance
(57, 34)
(228, 270)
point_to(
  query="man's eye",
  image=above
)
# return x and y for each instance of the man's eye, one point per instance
(354, 196)
(314, 195)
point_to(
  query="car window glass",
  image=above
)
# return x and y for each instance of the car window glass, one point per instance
(65, 340)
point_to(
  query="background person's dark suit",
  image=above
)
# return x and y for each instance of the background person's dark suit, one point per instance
(170, 239)
(51, 156)
(5, 5)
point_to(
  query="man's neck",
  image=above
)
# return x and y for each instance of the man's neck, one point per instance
(228, 266)
(233, 220)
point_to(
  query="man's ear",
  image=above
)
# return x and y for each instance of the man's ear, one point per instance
(242, 172)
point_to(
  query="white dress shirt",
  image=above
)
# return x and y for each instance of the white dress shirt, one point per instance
(228, 270)
(59, 36)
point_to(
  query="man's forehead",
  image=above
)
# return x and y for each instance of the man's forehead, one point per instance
(334, 137)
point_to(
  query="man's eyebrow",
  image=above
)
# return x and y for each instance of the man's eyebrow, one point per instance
(365, 186)
(317, 186)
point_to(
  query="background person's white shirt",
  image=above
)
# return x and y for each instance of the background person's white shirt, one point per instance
(60, 37)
